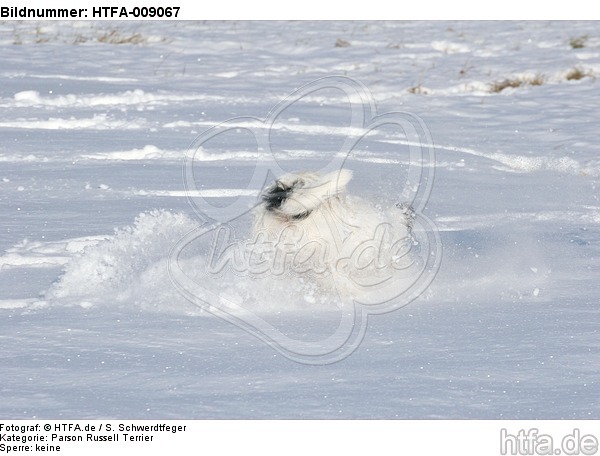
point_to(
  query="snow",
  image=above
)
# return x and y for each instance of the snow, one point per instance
(95, 193)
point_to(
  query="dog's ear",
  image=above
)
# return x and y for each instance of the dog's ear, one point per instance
(336, 181)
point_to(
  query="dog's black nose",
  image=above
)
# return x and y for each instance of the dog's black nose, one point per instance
(275, 196)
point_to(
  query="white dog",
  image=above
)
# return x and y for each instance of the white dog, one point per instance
(307, 225)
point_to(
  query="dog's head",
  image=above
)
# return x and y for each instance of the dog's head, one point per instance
(295, 196)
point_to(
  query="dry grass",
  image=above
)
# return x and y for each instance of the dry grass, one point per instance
(578, 42)
(116, 37)
(537, 80)
(513, 83)
(576, 74)
(340, 43)
(79, 39)
(418, 90)
(499, 86)
(26, 35)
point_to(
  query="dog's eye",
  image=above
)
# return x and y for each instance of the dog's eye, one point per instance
(299, 183)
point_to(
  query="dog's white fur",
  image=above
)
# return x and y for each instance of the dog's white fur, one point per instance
(309, 215)
(303, 196)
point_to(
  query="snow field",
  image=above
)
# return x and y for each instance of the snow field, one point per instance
(92, 199)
